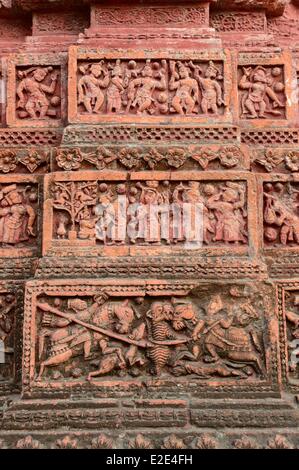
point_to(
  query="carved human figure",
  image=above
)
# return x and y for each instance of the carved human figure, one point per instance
(32, 92)
(118, 317)
(211, 91)
(229, 208)
(17, 217)
(148, 216)
(87, 223)
(260, 91)
(64, 335)
(141, 89)
(277, 213)
(191, 195)
(115, 89)
(7, 304)
(186, 89)
(225, 335)
(94, 79)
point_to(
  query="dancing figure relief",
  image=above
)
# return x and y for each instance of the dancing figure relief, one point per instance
(150, 87)
(38, 93)
(262, 94)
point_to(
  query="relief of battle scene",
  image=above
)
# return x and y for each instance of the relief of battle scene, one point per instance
(281, 217)
(150, 87)
(150, 212)
(7, 330)
(292, 333)
(210, 332)
(18, 215)
(38, 93)
(262, 92)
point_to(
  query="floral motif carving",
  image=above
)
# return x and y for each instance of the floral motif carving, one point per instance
(142, 16)
(131, 157)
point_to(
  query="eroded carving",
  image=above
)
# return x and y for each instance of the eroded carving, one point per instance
(7, 336)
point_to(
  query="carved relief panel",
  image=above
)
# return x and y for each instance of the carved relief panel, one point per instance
(107, 87)
(288, 313)
(10, 337)
(103, 210)
(279, 213)
(115, 334)
(159, 157)
(19, 216)
(264, 92)
(36, 90)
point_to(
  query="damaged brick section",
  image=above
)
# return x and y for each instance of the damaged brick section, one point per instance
(129, 337)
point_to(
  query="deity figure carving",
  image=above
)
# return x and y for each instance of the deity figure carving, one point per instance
(95, 78)
(38, 93)
(7, 324)
(139, 336)
(281, 214)
(17, 214)
(263, 92)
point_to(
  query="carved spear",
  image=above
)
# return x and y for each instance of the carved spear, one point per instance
(141, 343)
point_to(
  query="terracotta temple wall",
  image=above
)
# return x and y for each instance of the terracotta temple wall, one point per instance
(135, 339)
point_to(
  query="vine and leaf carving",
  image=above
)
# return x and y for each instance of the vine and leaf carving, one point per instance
(131, 157)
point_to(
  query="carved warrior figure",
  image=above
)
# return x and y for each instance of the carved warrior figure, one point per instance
(32, 92)
(170, 337)
(260, 97)
(17, 216)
